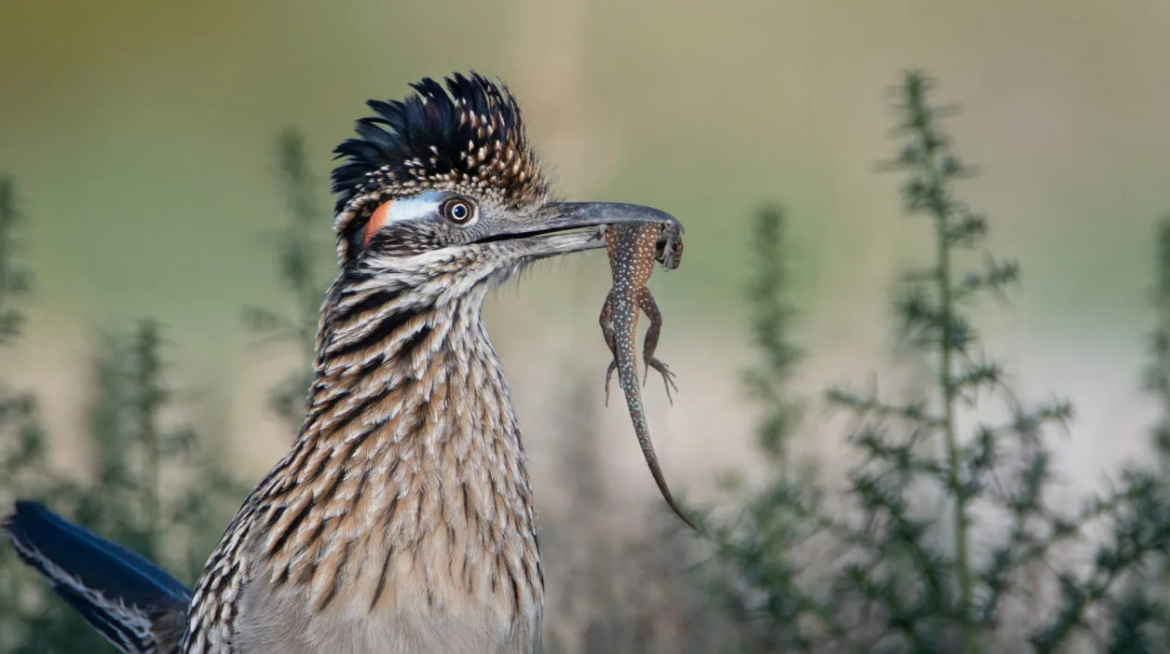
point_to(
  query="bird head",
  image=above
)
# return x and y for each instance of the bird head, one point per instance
(445, 181)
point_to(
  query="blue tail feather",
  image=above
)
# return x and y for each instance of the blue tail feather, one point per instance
(120, 593)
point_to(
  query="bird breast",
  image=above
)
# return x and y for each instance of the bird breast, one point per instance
(403, 521)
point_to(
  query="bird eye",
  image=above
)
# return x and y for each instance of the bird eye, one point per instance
(458, 210)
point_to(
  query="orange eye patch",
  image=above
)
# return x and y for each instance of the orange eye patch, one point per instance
(381, 215)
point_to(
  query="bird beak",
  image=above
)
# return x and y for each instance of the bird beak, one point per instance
(559, 216)
(564, 227)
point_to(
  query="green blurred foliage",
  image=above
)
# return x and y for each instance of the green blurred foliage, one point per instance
(134, 441)
(304, 260)
(943, 541)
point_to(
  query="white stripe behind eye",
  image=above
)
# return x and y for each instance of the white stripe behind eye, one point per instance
(412, 208)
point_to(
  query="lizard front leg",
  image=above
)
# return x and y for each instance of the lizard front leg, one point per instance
(606, 320)
(650, 343)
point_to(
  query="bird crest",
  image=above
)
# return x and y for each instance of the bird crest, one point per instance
(467, 138)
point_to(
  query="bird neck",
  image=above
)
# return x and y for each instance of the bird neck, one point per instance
(409, 468)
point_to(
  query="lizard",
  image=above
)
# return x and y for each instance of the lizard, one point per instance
(633, 250)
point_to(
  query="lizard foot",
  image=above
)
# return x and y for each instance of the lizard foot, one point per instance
(608, 377)
(667, 376)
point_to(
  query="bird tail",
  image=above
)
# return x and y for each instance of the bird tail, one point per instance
(133, 603)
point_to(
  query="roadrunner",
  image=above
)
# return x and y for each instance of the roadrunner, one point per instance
(402, 519)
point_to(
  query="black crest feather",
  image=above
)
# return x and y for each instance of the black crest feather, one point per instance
(467, 136)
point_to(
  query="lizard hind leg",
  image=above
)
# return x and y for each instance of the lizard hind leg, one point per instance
(606, 321)
(650, 343)
(608, 377)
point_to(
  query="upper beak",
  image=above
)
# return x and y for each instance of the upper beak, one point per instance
(558, 216)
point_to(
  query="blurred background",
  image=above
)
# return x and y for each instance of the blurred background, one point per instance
(143, 141)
